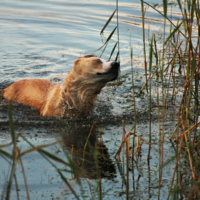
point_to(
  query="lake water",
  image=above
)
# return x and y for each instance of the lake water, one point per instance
(41, 39)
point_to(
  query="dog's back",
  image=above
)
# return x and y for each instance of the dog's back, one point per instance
(33, 92)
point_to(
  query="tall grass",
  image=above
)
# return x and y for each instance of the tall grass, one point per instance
(17, 157)
(190, 93)
(183, 48)
(109, 38)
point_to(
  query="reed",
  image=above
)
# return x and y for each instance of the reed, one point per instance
(17, 155)
(144, 46)
(150, 108)
(133, 86)
(109, 38)
(183, 60)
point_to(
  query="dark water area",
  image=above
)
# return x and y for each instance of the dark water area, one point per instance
(42, 39)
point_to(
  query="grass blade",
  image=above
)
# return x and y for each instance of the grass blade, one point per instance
(107, 22)
(36, 148)
(180, 6)
(25, 180)
(173, 32)
(167, 162)
(113, 51)
(6, 154)
(165, 17)
(116, 58)
(46, 153)
(12, 130)
(165, 7)
(109, 37)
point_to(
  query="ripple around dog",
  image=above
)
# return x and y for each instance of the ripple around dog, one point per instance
(113, 106)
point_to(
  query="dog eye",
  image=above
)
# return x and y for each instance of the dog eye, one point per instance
(98, 62)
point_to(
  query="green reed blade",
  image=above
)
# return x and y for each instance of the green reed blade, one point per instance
(133, 127)
(107, 22)
(36, 148)
(193, 65)
(150, 106)
(75, 170)
(192, 114)
(150, 55)
(167, 162)
(6, 154)
(173, 32)
(180, 5)
(10, 181)
(103, 50)
(198, 12)
(176, 190)
(110, 36)
(116, 58)
(113, 51)
(164, 16)
(65, 170)
(192, 11)
(62, 177)
(46, 153)
(108, 39)
(66, 182)
(195, 98)
(189, 4)
(12, 130)
(165, 7)
(55, 158)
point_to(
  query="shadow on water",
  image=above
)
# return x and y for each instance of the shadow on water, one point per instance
(82, 148)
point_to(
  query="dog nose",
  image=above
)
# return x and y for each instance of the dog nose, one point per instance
(115, 65)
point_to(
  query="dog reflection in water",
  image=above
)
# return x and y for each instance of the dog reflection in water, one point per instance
(76, 96)
(88, 153)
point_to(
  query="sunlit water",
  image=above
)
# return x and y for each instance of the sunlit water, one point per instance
(41, 39)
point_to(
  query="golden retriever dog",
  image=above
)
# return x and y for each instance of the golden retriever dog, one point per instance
(77, 94)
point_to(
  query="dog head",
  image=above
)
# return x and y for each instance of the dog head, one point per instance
(88, 76)
(90, 66)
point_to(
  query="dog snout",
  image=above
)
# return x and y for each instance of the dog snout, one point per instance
(111, 72)
(115, 65)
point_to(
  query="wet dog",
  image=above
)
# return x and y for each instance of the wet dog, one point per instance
(76, 96)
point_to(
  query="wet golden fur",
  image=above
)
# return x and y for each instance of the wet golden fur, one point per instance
(77, 94)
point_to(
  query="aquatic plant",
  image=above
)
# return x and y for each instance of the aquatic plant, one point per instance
(68, 164)
(183, 49)
(117, 57)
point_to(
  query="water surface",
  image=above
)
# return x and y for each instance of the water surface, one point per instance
(41, 39)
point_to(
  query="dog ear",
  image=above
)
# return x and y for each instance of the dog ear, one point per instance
(88, 56)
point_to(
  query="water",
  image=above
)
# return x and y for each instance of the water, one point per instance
(41, 39)
(45, 183)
